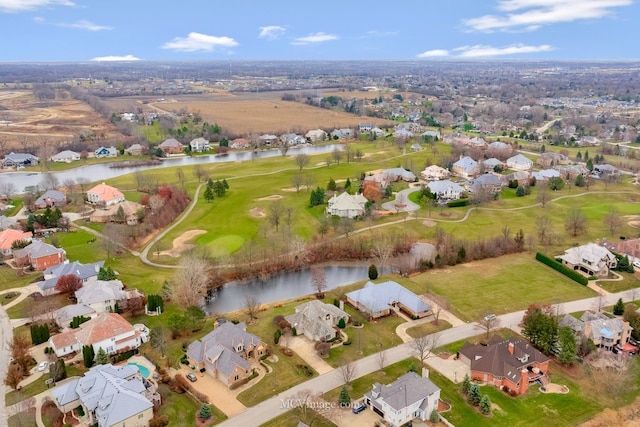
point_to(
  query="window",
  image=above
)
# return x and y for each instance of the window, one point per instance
(140, 416)
(236, 378)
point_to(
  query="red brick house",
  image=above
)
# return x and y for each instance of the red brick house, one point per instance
(171, 146)
(510, 364)
(39, 255)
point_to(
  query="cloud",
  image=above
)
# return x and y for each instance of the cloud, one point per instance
(434, 53)
(480, 51)
(116, 58)
(86, 25)
(314, 38)
(529, 15)
(11, 6)
(199, 42)
(38, 19)
(271, 32)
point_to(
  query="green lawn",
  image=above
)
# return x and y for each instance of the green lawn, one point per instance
(37, 387)
(285, 375)
(9, 278)
(500, 285)
(428, 328)
(628, 281)
(181, 408)
(292, 418)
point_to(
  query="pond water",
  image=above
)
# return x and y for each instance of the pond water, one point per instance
(287, 285)
(103, 171)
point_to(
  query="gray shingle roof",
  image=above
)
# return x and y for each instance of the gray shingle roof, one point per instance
(405, 391)
(378, 297)
(83, 271)
(37, 249)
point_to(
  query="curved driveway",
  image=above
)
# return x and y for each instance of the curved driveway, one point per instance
(402, 197)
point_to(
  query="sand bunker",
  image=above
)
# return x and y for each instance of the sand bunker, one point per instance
(180, 243)
(272, 197)
(429, 223)
(258, 212)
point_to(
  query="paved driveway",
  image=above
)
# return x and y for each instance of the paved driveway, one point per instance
(219, 394)
(304, 348)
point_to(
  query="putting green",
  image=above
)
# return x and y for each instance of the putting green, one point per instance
(224, 245)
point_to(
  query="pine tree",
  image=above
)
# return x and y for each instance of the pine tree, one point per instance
(618, 308)
(332, 185)
(466, 384)
(567, 345)
(485, 405)
(344, 399)
(373, 272)
(205, 412)
(88, 355)
(102, 358)
(474, 396)
(208, 194)
(341, 323)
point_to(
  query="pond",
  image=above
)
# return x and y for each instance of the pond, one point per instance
(284, 286)
(103, 171)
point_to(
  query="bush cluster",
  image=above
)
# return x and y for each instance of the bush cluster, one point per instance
(571, 274)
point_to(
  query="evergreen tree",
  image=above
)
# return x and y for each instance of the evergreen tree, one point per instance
(466, 384)
(568, 346)
(208, 194)
(485, 405)
(102, 358)
(373, 272)
(88, 355)
(341, 323)
(344, 399)
(205, 411)
(474, 396)
(590, 165)
(520, 191)
(618, 308)
(225, 183)
(347, 186)
(331, 185)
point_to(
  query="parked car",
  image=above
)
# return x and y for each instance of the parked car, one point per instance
(489, 317)
(42, 366)
(636, 264)
(191, 377)
(358, 407)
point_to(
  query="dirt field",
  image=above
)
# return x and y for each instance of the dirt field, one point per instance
(245, 116)
(626, 416)
(24, 120)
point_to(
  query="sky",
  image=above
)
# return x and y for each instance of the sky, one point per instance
(429, 30)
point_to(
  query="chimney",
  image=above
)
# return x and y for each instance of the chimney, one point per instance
(511, 347)
(524, 381)
(425, 373)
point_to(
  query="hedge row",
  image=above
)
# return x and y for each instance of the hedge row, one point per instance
(458, 203)
(571, 274)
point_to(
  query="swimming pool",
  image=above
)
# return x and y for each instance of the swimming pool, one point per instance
(144, 371)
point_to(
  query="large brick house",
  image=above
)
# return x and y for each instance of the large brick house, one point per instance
(39, 255)
(226, 353)
(510, 364)
(104, 195)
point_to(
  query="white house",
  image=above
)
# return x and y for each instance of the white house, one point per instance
(66, 156)
(317, 320)
(108, 331)
(198, 145)
(435, 173)
(410, 396)
(466, 167)
(445, 190)
(346, 206)
(589, 259)
(316, 135)
(106, 152)
(519, 162)
(101, 295)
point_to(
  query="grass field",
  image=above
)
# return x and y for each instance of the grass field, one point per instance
(428, 328)
(502, 285)
(292, 418)
(9, 278)
(182, 408)
(37, 387)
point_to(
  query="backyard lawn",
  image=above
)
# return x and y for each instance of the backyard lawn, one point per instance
(181, 408)
(428, 328)
(9, 278)
(500, 285)
(292, 419)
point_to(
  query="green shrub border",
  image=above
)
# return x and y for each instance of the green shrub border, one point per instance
(571, 274)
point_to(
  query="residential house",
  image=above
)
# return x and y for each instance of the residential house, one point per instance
(9, 236)
(345, 205)
(486, 182)
(521, 177)
(317, 320)
(604, 331)
(572, 171)
(499, 146)
(544, 175)
(466, 167)
(66, 156)
(65, 315)
(50, 199)
(519, 162)
(226, 353)
(607, 171)
(292, 139)
(104, 195)
(588, 141)
(435, 173)
(343, 133)
(379, 300)
(510, 364)
(113, 213)
(198, 145)
(550, 159)
(402, 133)
(629, 247)
(109, 395)
(239, 144)
(377, 132)
(108, 331)
(39, 255)
(416, 147)
(400, 174)
(445, 190)
(477, 142)
(455, 138)
(16, 160)
(590, 259)
(106, 152)
(407, 398)
(7, 222)
(316, 135)
(434, 135)
(491, 163)
(136, 150)
(171, 146)
(85, 272)
(365, 127)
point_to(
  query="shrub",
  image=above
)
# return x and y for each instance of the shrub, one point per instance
(434, 417)
(341, 323)
(458, 203)
(205, 412)
(347, 342)
(159, 421)
(571, 274)
(276, 336)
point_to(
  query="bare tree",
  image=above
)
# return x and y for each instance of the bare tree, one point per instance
(424, 347)
(544, 195)
(276, 210)
(181, 177)
(599, 303)
(3, 140)
(348, 372)
(381, 359)
(488, 322)
(545, 230)
(198, 172)
(8, 189)
(158, 340)
(576, 222)
(382, 249)
(82, 181)
(318, 280)
(70, 186)
(283, 146)
(613, 220)
(337, 155)
(49, 181)
(251, 306)
(302, 160)
(190, 283)
(297, 180)
(309, 180)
